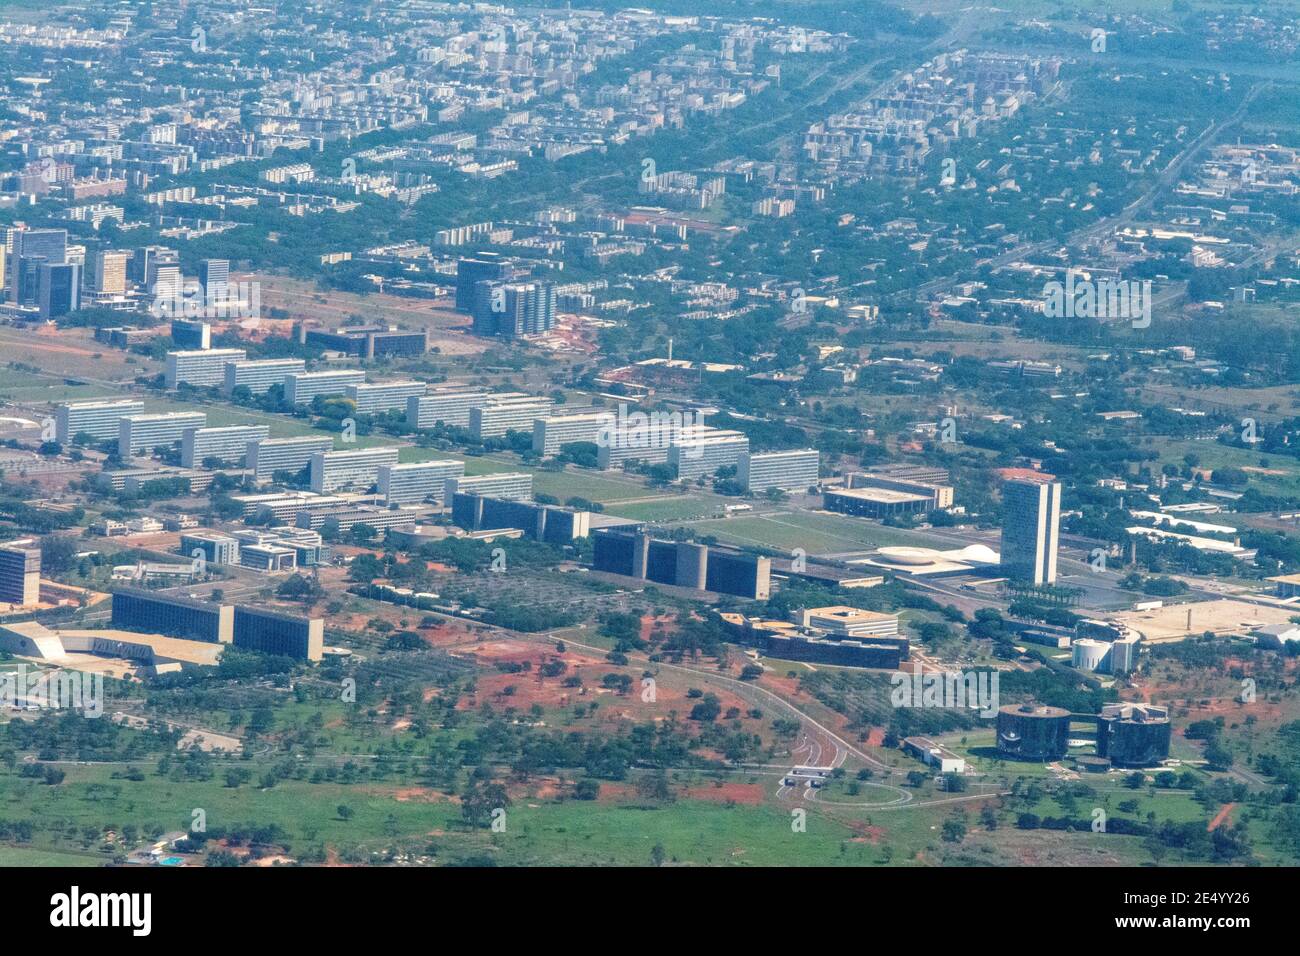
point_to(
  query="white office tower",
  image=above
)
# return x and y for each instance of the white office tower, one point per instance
(137, 433)
(375, 398)
(301, 387)
(516, 486)
(786, 470)
(646, 438)
(505, 412)
(356, 468)
(228, 443)
(450, 407)
(550, 435)
(705, 451)
(99, 420)
(269, 455)
(258, 376)
(200, 367)
(417, 481)
(1031, 528)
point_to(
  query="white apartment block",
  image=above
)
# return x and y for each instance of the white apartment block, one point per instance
(258, 376)
(99, 420)
(228, 442)
(417, 481)
(703, 453)
(507, 412)
(200, 367)
(516, 486)
(786, 470)
(300, 388)
(375, 398)
(269, 455)
(137, 433)
(550, 435)
(451, 408)
(353, 468)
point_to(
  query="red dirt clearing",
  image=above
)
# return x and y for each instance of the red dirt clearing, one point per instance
(1221, 817)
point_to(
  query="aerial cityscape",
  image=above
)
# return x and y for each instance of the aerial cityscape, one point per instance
(753, 434)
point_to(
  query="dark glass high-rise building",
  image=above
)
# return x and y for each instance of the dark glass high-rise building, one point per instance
(58, 289)
(32, 249)
(486, 267)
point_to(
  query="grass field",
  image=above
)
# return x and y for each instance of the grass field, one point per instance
(1213, 455)
(669, 509)
(815, 533)
(28, 856)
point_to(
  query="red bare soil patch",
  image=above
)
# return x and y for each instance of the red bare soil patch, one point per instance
(865, 832)
(750, 794)
(1221, 817)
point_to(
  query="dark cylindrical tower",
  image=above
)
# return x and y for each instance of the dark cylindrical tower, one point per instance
(1033, 732)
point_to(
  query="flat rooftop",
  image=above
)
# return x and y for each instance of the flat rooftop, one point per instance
(1223, 617)
(880, 495)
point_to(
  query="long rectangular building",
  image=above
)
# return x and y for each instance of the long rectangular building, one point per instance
(172, 615)
(274, 632)
(353, 468)
(504, 413)
(266, 456)
(369, 341)
(300, 388)
(375, 398)
(682, 564)
(285, 505)
(550, 435)
(137, 433)
(345, 515)
(516, 486)
(417, 481)
(876, 502)
(448, 407)
(704, 453)
(647, 442)
(98, 420)
(200, 367)
(784, 470)
(258, 376)
(539, 522)
(228, 443)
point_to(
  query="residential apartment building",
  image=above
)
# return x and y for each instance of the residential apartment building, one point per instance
(227, 442)
(515, 486)
(354, 468)
(507, 412)
(300, 388)
(785, 470)
(99, 420)
(258, 376)
(137, 433)
(375, 398)
(551, 434)
(417, 481)
(200, 367)
(449, 407)
(266, 456)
